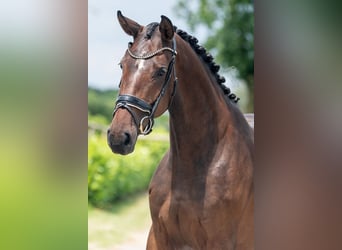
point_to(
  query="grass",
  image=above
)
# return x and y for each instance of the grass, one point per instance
(108, 229)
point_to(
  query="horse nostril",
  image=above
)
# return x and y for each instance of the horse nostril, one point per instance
(127, 139)
(108, 131)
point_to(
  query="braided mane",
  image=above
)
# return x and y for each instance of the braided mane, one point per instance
(201, 52)
(209, 60)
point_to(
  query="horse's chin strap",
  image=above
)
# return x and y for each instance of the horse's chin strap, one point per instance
(128, 102)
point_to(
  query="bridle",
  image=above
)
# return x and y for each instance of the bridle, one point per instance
(128, 101)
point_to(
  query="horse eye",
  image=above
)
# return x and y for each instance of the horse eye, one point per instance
(120, 65)
(161, 72)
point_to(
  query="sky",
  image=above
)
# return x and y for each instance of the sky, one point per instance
(107, 42)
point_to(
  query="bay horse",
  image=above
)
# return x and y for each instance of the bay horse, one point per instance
(201, 195)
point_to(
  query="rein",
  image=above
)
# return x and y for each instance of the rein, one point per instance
(128, 101)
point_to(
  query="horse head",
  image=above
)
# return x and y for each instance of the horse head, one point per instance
(146, 88)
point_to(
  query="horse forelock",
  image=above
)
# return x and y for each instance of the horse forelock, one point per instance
(150, 29)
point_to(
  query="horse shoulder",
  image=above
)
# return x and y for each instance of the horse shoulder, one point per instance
(160, 185)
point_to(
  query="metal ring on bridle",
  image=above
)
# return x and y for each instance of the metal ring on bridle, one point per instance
(148, 127)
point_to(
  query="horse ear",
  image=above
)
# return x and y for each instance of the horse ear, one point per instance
(166, 28)
(129, 26)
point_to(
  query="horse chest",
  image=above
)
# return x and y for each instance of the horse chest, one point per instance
(181, 222)
(185, 221)
(191, 213)
(177, 207)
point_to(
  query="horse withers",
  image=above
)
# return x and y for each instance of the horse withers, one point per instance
(201, 195)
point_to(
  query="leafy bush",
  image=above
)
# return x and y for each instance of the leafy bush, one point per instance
(101, 103)
(98, 119)
(112, 177)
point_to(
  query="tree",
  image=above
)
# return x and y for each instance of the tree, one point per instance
(230, 27)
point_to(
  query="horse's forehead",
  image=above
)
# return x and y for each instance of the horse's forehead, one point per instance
(153, 42)
(150, 30)
(148, 37)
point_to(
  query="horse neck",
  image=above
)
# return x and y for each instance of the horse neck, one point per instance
(199, 114)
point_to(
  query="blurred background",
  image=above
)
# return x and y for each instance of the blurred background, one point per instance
(118, 212)
(44, 198)
(43, 124)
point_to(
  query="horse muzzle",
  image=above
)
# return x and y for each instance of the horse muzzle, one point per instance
(122, 136)
(120, 144)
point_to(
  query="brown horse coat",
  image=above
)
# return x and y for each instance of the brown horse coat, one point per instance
(201, 195)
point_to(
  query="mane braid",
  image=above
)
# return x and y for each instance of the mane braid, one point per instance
(209, 60)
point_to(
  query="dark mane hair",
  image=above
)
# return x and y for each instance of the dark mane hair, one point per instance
(209, 60)
(201, 52)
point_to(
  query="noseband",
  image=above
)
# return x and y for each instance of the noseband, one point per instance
(128, 102)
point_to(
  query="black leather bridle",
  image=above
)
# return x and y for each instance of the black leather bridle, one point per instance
(128, 101)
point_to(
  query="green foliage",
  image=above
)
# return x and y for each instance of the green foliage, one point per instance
(98, 119)
(101, 104)
(112, 177)
(230, 26)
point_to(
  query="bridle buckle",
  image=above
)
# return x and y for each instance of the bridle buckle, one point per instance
(148, 127)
